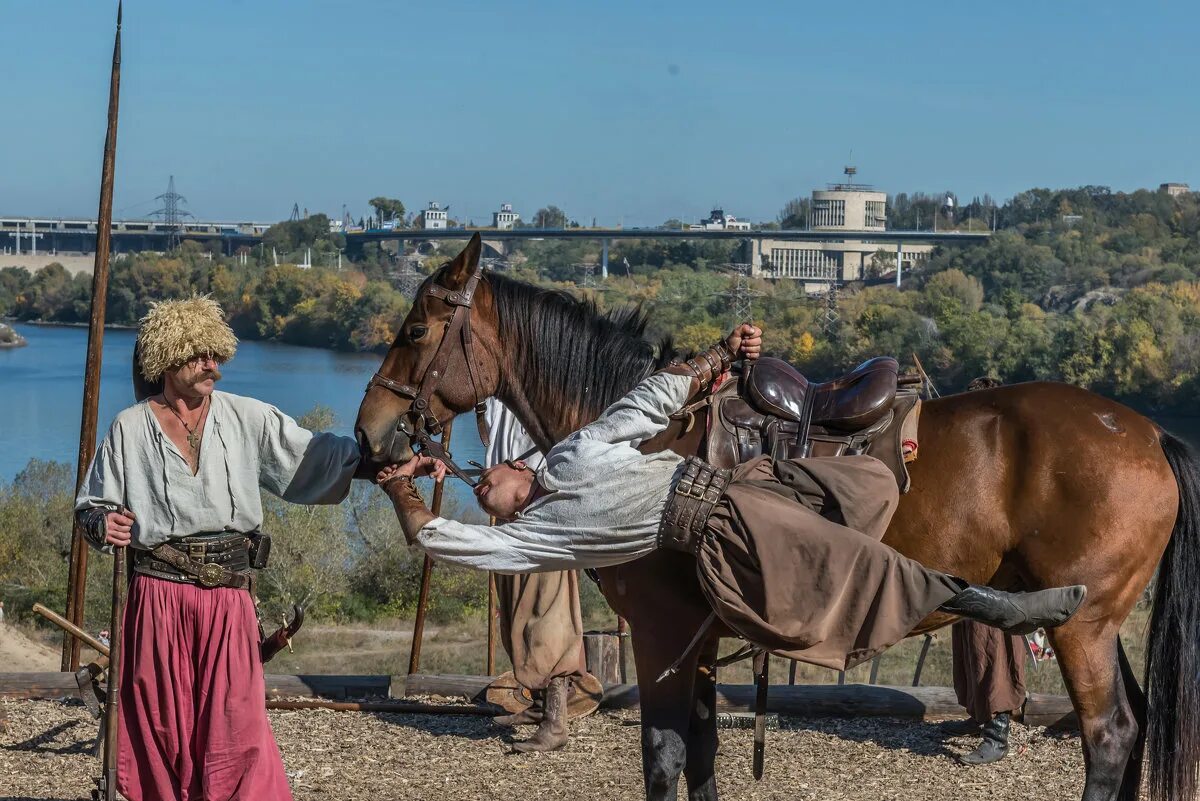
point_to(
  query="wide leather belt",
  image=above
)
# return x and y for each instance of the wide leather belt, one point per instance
(206, 560)
(692, 499)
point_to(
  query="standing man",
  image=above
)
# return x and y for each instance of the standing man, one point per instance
(989, 680)
(541, 625)
(177, 479)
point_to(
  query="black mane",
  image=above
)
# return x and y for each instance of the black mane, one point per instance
(583, 357)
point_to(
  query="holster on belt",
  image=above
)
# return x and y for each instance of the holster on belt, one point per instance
(691, 502)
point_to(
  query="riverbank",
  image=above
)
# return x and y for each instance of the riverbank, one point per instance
(9, 338)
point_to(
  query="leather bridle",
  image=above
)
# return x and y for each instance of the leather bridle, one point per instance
(417, 423)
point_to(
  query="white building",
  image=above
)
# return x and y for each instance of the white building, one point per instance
(718, 220)
(505, 218)
(434, 216)
(839, 207)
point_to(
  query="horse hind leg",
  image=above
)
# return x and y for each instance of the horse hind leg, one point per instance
(700, 769)
(665, 705)
(1132, 783)
(1088, 655)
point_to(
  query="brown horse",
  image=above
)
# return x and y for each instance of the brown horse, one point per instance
(1025, 486)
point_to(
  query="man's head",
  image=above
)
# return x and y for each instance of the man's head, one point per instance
(181, 344)
(506, 489)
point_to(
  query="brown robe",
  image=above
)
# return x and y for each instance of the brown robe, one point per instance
(541, 626)
(989, 669)
(792, 561)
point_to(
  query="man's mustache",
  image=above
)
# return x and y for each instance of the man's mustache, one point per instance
(215, 375)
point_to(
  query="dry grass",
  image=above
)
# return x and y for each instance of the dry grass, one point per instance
(337, 756)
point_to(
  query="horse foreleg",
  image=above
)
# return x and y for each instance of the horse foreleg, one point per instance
(1088, 657)
(700, 770)
(666, 705)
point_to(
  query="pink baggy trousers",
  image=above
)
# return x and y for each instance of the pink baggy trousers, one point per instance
(192, 715)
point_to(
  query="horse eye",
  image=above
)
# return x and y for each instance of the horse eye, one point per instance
(416, 332)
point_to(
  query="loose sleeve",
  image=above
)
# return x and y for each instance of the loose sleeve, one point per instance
(641, 414)
(302, 467)
(516, 547)
(103, 488)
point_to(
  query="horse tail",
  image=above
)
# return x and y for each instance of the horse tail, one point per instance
(1173, 653)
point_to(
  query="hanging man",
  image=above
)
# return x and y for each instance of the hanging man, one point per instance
(177, 480)
(788, 551)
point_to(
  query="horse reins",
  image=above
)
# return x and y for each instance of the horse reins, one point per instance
(415, 422)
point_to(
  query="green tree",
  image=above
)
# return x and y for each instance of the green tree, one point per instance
(550, 217)
(388, 208)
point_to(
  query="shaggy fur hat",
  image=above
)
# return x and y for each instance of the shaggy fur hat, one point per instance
(174, 331)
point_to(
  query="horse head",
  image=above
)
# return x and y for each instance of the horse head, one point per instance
(442, 362)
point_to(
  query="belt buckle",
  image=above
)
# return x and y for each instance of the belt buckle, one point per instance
(196, 550)
(210, 575)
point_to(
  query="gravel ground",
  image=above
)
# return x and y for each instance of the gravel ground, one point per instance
(340, 756)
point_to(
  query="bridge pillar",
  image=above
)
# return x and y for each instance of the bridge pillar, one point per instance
(899, 263)
(604, 260)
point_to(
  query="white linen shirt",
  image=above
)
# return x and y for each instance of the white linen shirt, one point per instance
(247, 445)
(605, 498)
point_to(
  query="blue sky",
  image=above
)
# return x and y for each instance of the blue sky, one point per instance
(628, 112)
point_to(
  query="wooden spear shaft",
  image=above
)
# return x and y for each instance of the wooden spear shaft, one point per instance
(414, 656)
(77, 573)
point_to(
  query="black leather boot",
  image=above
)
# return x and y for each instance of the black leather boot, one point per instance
(551, 733)
(995, 742)
(1016, 612)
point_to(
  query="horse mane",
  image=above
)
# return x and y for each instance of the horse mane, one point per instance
(573, 357)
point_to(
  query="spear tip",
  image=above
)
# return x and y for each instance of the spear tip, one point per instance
(119, 4)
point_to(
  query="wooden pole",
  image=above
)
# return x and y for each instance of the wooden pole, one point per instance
(414, 655)
(120, 584)
(77, 572)
(492, 622)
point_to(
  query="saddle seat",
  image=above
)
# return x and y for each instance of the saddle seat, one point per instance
(854, 402)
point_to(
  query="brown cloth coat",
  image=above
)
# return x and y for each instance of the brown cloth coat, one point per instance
(541, 625)
(989, 669)
(791, 559)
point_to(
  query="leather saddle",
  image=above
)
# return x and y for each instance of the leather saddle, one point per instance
(771, 408)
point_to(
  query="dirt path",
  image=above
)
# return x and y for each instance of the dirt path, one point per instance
(20, 654)
(337, 756)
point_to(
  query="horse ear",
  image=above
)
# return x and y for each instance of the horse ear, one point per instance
(465, 264)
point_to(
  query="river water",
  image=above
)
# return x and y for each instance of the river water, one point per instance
(41, 390)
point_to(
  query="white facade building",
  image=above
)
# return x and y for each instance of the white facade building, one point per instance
(718, 220)
(840, 207)
(434, 216)
(505, 218)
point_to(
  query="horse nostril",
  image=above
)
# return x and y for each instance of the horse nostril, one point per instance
(364, 443)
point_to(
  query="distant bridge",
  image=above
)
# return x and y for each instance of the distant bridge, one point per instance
(33, 235)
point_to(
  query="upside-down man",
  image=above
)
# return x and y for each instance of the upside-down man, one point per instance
(177, 479)
(789, 554)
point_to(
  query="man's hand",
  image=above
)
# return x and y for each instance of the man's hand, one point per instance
(416, 467)
(745, 342)
(118, 527)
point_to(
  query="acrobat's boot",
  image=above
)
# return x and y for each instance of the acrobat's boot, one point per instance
(1016, 612)
(995, 742)
(551, 733)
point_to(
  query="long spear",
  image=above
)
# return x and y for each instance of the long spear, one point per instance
(77, 574)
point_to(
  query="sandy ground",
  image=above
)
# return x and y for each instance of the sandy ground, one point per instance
(339, 756)
(21, 654)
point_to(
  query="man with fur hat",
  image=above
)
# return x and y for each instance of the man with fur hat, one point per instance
(177, 478)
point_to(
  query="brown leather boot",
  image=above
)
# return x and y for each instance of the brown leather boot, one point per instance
(551, 734)
(529, 716)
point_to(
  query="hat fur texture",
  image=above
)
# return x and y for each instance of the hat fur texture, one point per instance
(175, 331)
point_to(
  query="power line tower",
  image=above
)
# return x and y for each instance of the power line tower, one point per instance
(295, 213)
(406, 277)
(172, 215)
(494, 264)
(588, 281)
(741, 294)
(830, 317)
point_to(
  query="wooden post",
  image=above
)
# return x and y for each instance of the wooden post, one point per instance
(414, 655)
(602, 656)
(623, 655)
(492, 622)
(77, 570)
(120, 585)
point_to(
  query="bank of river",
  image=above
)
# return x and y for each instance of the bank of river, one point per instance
(41, 389)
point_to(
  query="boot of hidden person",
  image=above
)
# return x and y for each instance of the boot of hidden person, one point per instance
(995, 742)
(551, 734)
